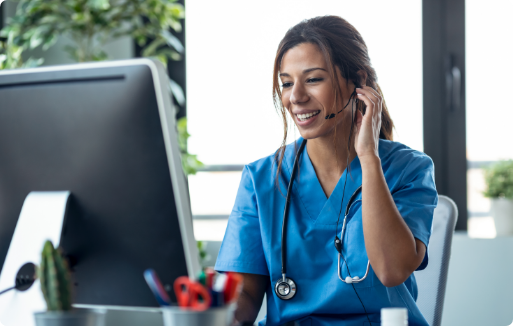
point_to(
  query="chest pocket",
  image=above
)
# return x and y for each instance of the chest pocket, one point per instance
(353, 249)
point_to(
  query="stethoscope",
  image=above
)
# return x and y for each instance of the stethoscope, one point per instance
(285, 288)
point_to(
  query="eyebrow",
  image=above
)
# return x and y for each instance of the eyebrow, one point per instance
(304, 71)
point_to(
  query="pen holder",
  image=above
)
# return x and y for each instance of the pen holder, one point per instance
(176, 316)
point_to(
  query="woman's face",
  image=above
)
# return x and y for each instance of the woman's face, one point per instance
(307, 92)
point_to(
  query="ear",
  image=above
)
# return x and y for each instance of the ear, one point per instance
(363, 77)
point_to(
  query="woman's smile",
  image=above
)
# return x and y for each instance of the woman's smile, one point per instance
(305, 118)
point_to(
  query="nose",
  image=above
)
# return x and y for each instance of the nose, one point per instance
(298, 94)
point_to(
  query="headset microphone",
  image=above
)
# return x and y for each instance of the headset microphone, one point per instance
(332, 115)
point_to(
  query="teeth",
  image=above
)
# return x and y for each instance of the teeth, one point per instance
(306, 116)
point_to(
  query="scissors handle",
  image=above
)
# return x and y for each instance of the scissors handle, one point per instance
(200, 298)
(191, 294)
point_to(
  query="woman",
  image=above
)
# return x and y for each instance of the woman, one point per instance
(329, 89)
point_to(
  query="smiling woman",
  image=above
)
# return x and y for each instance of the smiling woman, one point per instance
(289, 204)
(333, 65)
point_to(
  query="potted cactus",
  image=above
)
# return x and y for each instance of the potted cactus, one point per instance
(55, 279)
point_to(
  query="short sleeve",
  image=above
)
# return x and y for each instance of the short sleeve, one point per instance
(416, 199)
(241, 250)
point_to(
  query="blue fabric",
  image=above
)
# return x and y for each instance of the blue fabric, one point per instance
(252, 243)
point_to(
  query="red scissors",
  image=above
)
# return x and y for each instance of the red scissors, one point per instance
(191, 294)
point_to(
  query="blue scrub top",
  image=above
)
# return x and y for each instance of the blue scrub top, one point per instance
(252, 243)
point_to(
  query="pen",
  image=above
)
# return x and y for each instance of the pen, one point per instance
(233, 287)
(210, 277)
(156, 287)
(202, 278)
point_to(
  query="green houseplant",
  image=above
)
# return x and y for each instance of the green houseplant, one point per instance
(90, 24)
(10, 56)
(499, 188)
(55, 280)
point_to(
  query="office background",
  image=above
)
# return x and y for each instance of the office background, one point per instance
(414, 46)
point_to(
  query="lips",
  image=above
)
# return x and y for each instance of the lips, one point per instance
(307, 116)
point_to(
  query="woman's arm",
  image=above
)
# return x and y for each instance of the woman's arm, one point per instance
(392, 250)
(250, 299)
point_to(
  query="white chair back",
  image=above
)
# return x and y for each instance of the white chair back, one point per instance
(432, 281)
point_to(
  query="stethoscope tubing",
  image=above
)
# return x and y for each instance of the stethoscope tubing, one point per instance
(286, 212)
(353, 280)
(348, 207)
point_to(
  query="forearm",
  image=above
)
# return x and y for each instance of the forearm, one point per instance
(246, 310)
(250, 298)
(390, 245)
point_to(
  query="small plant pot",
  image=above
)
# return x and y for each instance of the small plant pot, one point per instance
(502, 212)
(69, 318)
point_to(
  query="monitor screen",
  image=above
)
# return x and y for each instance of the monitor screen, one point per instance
(106, 133)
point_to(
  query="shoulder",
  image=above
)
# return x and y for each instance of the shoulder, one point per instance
(401, 163)
(398, 155)
(268, 164)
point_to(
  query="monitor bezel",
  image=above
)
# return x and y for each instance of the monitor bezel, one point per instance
(168, 123)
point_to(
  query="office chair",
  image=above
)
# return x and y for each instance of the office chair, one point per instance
(432, 281)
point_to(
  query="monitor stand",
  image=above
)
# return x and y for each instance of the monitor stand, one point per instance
(41, 218)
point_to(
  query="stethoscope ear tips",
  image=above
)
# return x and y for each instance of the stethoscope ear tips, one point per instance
(350, 280)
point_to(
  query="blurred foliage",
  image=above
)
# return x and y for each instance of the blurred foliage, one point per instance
(10, 57)
(190, 163)
(90, 24)
(202, 251)
(499, 180)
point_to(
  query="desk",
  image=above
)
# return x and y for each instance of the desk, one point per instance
(128, 317)
(469, 301)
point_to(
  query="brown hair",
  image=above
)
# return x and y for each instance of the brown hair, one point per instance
(342, 46)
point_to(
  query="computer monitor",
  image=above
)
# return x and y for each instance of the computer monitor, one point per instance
(106, 133)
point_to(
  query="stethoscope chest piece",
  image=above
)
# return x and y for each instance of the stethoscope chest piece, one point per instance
(285, 288)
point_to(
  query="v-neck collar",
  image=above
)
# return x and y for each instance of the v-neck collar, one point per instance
(311, 195)
(334, 206)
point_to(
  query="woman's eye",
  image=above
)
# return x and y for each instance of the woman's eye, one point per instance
(286, 85)
(314, 80)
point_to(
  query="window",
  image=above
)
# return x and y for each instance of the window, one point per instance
(230, 53)
(489, 70)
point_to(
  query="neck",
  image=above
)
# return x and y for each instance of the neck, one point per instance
(329, 155)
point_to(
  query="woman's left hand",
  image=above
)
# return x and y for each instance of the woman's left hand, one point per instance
(366, 141)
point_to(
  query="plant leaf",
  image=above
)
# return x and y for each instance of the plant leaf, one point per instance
(177, 92)
(150, 49)
(99, 4)
(49, 42)
(172, 41)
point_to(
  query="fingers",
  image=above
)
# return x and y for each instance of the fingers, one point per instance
(366, 98)
(371, 98)
(358, 120)
(370, 93)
